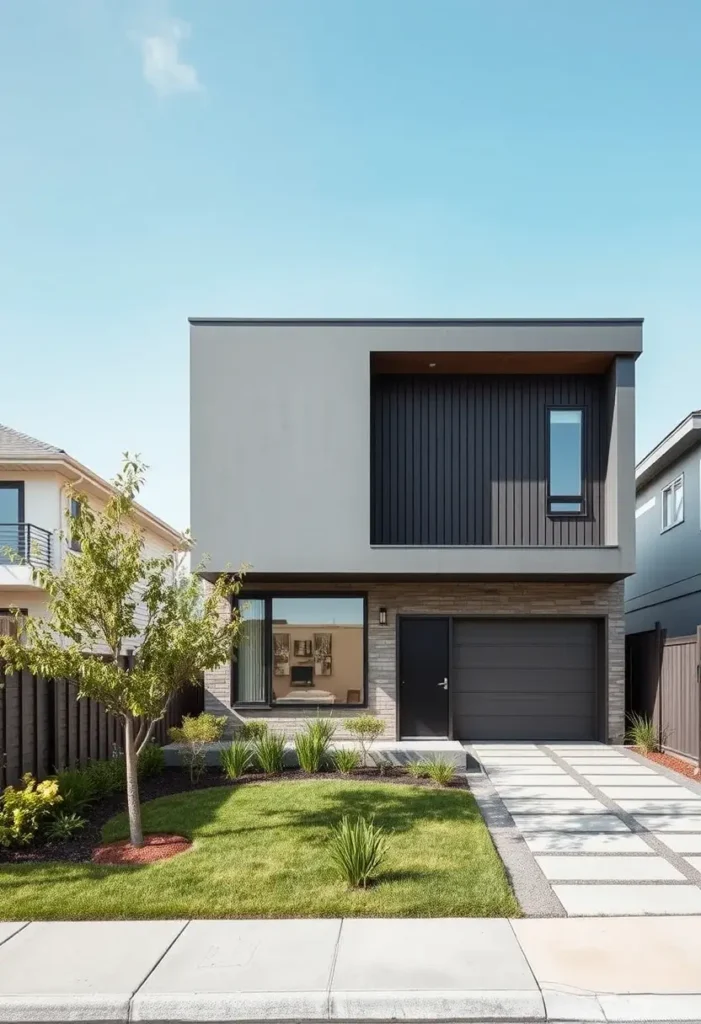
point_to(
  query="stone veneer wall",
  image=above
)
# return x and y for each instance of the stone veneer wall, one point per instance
(521, 599)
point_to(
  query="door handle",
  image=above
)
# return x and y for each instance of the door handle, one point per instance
(444, 683)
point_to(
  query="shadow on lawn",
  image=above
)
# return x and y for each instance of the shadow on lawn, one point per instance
(396, 808)
(397, 811)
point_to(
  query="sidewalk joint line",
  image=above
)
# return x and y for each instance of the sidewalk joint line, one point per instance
(332, 972)
(153, 968)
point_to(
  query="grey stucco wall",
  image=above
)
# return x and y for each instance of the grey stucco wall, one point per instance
(280, 447)
(516, 599)
(666, 587)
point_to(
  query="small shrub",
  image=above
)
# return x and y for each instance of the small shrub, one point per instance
(346, 760)
(23, 809)
(236, 759)
(417, 769)
(252, 730)
(384, 764)
(64, 826)
(196, 733)
(107, 777)
(151, 761)
(269, 753)
(77, 789)
(366, 729)
(357, 849)
(642, 733)
(439, 771)
(312, 744)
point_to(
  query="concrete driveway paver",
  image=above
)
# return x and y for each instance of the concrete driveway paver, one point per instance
(686, 842)
(598, 835)
(609, 869)
(578, 842)
(79, 971)
(531, 805)
(603, 900)
(535, 823)
(445, 969)
(243, 970)
(670, 822)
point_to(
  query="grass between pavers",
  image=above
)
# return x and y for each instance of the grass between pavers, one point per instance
(261, 850)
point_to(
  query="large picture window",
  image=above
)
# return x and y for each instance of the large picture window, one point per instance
(301, 651)
(565, 463)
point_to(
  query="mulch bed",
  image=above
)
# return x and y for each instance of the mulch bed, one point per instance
(156, 847)
(79, 849)
(677, 764)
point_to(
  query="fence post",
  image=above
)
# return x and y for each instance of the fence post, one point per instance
(698, 680)
(659, 655)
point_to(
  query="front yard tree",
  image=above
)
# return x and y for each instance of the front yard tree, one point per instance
(93, 606)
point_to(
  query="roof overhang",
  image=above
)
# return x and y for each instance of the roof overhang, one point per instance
(80, 476)
(679, 441)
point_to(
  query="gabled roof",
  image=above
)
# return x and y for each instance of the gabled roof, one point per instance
(686, 435)
(15, 445)
(21, 449)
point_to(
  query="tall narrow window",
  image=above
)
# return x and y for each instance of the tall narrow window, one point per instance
(73, 542)
(673, 503)
(250, 657)
(565, 469)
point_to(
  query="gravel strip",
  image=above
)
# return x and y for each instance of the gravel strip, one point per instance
(533, 891)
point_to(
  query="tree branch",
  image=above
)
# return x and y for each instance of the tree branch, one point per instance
(140, 744)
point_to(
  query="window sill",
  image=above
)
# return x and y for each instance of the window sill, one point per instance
(666, 529)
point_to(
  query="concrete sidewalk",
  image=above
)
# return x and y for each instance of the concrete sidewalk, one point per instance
(576, 969)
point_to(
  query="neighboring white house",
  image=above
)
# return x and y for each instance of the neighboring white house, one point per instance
(34, 497)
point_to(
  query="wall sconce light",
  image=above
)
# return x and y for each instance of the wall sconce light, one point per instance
(383, 616)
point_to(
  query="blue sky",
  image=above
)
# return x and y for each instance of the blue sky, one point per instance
(332, 157)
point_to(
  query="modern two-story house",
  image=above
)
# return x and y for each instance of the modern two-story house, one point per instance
(34, 498)
(666, 588)
(437, 516)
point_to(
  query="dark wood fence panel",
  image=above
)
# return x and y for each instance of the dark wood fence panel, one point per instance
(44, 727)
(662, 676)
(677, 710)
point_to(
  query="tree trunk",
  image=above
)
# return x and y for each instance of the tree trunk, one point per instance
(136, 834)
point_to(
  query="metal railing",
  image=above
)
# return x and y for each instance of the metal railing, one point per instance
(24, 541)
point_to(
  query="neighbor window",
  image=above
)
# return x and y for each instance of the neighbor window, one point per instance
(565, 469)
(673, 503)
(12, 534)
(74, 510)
(301, 651)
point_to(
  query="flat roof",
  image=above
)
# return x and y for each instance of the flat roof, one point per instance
(421, 322)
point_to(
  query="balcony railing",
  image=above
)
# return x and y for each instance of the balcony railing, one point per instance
(25, 541)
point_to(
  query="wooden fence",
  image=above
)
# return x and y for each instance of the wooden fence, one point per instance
(44, 727)
(664, 684)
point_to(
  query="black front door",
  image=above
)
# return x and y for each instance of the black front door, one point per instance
(423, 677)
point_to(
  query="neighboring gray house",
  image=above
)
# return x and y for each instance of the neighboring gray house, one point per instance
(666, 588)
(438, 516)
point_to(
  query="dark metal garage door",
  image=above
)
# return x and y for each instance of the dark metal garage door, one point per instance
(524, 679)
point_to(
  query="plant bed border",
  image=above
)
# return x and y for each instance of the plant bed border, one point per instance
(79, 849)
(671, 761)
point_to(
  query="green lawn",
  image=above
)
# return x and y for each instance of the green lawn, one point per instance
(260, 850)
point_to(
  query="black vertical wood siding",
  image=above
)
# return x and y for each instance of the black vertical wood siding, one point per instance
(463, 460)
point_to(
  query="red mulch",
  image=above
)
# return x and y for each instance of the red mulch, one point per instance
(677, 764)
(156, 847)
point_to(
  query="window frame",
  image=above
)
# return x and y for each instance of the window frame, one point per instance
(73, 544)
(553, 499)
(268, 704)
(15, 485)
(679, 479)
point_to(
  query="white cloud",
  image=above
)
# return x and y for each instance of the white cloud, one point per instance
(162, 65)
